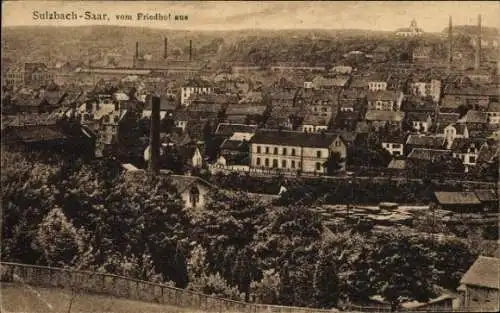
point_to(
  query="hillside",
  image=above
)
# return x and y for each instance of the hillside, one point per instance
(92, 42)
(24, 298)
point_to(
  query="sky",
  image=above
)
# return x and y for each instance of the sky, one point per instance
(432, 16)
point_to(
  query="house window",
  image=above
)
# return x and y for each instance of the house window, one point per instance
(318, 166)
(266, 162)
(275, 163)
(293, 164)
(267, 149)
(396, 146)
(318, 154)
(194, 196)
(258, 149)
(283, 163)
(472, 159)
(258, 161)
(275, 150)
(293, 152)
(284, 151)
(337, 143)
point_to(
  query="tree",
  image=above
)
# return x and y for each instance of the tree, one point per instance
(266, 289)
(58, 239)
(325, 281)
(333, 163)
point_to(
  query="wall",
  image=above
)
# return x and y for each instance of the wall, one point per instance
(481, 299)
(133, 289)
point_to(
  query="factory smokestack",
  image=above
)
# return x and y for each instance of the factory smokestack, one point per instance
(477, 62)
(450, 44)
(190, 50)
(136, 56)
(154, 135)
(165, 48)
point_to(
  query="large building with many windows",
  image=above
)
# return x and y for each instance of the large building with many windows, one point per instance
(295, 151)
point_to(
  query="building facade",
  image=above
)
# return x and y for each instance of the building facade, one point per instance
(294, 151)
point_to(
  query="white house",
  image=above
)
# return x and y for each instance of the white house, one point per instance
(453, 131)
(293, 151)
(194, 87)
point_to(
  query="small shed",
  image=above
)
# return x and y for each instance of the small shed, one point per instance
(460, 201)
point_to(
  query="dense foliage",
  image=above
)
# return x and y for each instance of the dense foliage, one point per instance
(63, 212)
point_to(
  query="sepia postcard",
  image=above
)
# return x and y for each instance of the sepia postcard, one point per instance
(250, 157)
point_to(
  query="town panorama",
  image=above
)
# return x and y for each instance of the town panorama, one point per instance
(298, 170)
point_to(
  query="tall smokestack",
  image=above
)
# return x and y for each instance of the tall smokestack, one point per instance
(154, 135)
(190, 50)
(136, 56)
(165, 46)
(477, 62)
(450, 44)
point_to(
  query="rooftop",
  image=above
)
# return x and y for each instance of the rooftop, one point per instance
(291, 138)
(226, 129)
(376, 115)
(483, 273)
(457, 197)
(427, 154)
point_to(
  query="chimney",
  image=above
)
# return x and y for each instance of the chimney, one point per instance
(450, 44)
(190, 50)
(154, 138)
(477, 62)
(165, 46)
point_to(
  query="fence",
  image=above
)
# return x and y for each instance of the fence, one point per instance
(119, 286)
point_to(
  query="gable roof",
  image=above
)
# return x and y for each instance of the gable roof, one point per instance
(238, 109)
(487, 153)
(486, 195)
(463, 144)
(426, 141)
(427, 154)
(473, 116)
(417, 116)
(376, 115)
(227, 129)
(311, 119)
(484, 272)
(384, 95)
(291, 138)
(183, 182)
(457, 197)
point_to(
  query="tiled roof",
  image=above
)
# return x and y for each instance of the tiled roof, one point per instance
(463, 144)
(487, 152)
(384, 95)
(456, 197)
(483, 273)
(246, 109)
(316, 120)
(225, 129)
(231, 144)
(427, 154)
(375, 115)
(486, 195)
(348, 115)
(452, 102)
(297, 139)
(444, 120)
(431, 142)
(473, 116)
(417, 116)
(394, 138)
(494, 107)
